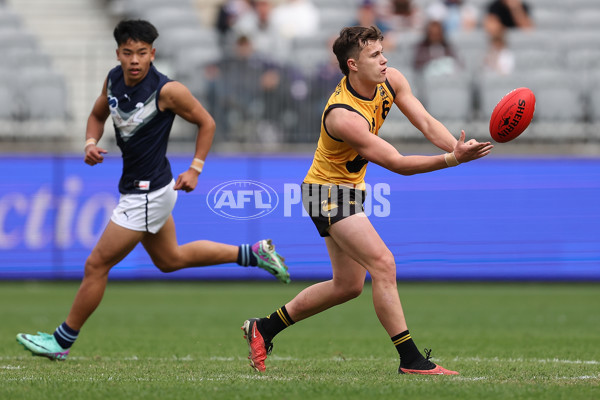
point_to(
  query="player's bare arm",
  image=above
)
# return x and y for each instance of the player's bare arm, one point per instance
(176, 97)
(95, 129)
(413, 109)
(431, 128)
(354, 130)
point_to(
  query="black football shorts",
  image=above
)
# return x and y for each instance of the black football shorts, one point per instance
(328, 204)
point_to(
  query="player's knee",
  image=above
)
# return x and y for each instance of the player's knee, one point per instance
(348, 291)
(384, 266)
(95, 267)
(164, 266)
(386, 260)
(352, 292)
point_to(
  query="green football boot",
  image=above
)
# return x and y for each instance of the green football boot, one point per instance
(43, 345)
(270, 261)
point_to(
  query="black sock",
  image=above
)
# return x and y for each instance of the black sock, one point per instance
(410, 357)
(274, 323)
(65, 336)
(246, 256)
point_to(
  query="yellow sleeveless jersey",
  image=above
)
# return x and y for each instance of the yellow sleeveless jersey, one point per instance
(335, 162)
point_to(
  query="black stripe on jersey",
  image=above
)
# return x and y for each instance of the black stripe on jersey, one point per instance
(387, 84)
(355, 93)
(344, 106)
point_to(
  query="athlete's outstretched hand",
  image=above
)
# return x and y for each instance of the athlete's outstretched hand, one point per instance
(186, 181)
(471, 150)
(94, 154)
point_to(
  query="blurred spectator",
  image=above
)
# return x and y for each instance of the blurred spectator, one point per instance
(258, 25)
(434, 55)
(367, 14)
(499, 58)
(510, 13)
(456, 15)
(404, 15)
(228, 13)
(296, 18)
(322, 83)
(236, 87)
(253, 99)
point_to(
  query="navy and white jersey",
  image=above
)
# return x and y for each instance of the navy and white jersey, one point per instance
(142, 131)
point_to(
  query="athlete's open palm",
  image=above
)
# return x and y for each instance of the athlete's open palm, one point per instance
(471, 150)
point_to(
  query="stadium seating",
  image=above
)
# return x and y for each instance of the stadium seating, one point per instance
(563, 45)
(30, 91)
(9, 19)
(448, 97)
(553, 48)
(11, 38)
(9, 104)
(550, 18)
(167, 17)
(136, 8)
(592, 99)
(43, 92)
(559, 105)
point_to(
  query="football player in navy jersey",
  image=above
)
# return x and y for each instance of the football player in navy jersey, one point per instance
(143, 104)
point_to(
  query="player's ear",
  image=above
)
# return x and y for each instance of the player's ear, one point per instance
(152, 53)
(351, 64)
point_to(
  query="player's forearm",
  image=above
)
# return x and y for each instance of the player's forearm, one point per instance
(416, 164)
(94, 128)
(204, 140)
(437, 134)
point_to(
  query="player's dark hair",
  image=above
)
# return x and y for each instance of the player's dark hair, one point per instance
(351, 41)
(136, 30)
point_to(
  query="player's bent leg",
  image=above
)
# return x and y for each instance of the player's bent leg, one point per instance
(114, 244)
(347, 284)
(168, 256)
(357, 238)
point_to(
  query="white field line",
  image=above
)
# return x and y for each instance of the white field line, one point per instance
(521, 360)
(559, 378)
(333, 358)
(261, 377)
(218, 378)
(12, 363)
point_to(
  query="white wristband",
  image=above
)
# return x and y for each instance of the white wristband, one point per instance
(197, 165)
(451, 159)
(89, 142)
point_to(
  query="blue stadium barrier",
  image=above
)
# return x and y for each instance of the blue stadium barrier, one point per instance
(499, 218)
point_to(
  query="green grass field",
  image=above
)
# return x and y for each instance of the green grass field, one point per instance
(171, 340)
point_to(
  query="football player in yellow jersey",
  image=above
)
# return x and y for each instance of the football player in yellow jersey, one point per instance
(333, 195)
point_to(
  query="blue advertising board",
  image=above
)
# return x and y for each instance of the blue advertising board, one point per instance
(498, 218)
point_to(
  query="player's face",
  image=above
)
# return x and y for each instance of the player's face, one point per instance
(371, 65)
(135, 58)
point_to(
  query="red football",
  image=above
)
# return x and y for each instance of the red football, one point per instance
(512, 115)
